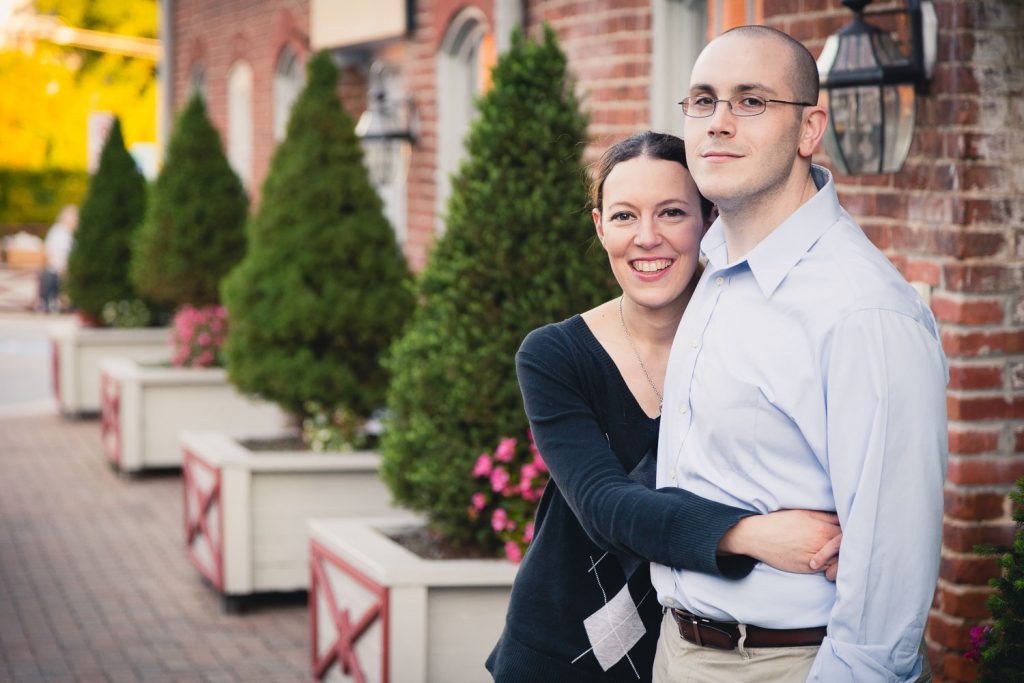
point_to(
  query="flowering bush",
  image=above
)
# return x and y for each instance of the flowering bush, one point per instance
(513, 479)
(198, 336)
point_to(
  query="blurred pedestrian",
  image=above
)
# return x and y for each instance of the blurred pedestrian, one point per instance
(59, 240)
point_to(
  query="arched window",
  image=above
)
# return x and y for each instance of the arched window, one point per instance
(680, 30)
(464, 66)
(289, 79)
(240, 120)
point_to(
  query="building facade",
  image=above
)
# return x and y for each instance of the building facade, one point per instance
(952, 220)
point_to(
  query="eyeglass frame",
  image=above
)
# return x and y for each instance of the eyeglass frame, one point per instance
(714, 106)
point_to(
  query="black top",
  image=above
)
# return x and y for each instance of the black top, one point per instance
(596, 529)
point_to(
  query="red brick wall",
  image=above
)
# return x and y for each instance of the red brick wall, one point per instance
(608, 43)
(954, 218)
(218, 33)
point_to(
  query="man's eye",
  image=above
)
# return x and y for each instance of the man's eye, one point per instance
(703, 101)
(752, 102)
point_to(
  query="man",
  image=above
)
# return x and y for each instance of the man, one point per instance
(806, 373)
(59, 239)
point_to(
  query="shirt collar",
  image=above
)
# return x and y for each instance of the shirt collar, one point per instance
(774, 256)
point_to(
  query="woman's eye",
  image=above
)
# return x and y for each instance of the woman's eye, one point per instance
(621, 216)
(673, 213)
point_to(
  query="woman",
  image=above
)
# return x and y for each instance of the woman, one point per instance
(582, 606)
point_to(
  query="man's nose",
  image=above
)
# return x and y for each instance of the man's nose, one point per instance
(722, 121)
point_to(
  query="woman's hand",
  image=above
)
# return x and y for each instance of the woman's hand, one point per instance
(800, 541)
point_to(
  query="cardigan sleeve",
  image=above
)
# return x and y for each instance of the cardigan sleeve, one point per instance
(669, 526)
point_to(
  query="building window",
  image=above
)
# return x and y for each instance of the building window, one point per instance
(289, 79)
(464, 67)
(240, 135)
(726, 14)
(680, 30)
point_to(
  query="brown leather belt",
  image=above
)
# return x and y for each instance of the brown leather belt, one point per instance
(723, 635)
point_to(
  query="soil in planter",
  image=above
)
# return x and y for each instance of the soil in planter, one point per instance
(432, 546)
(281, 443)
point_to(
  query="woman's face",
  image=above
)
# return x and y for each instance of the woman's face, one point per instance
(651, 227)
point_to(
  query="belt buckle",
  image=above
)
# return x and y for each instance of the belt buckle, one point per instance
(699, 622)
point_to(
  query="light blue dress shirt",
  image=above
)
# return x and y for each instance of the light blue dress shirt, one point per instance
(810, 375)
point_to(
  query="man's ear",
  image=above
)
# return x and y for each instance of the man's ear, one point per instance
(596, 215)
(812, 129)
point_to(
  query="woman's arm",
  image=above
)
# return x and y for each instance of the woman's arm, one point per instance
(670, 526)
(801, 541)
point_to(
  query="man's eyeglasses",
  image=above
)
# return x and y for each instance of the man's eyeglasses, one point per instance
(703, 106)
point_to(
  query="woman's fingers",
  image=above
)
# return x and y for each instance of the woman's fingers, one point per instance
(827, 552)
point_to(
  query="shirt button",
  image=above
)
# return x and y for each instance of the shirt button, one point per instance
(670, 602)
(682, 409)
(719, 280)
(693, 344)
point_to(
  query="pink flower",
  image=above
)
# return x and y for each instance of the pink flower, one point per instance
(483, 466)
(479, 501)
(528, 472)
(498, 519)
(513, 552)
(205, 358)
(506, 450)
(204, 338)
(528, 532)
(499, 479)
(979, 639)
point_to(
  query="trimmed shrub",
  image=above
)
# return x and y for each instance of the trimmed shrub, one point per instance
(194, 230)
(516, 255)
(1002, 644)
(109, 216)
(323, 288)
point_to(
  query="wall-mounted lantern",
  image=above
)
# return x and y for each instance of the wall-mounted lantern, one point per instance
(869, 84)
(386, 124)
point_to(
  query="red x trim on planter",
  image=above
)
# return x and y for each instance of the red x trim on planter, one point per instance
(110, 422)
(342, 651)
(198, 506)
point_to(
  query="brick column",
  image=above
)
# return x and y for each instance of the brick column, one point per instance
(953, 219)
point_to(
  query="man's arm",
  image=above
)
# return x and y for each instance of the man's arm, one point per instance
(887, 444)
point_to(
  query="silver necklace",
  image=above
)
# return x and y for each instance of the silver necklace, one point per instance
(636, 352)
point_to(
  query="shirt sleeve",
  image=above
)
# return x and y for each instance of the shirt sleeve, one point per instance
(887, 451)
(669, 526)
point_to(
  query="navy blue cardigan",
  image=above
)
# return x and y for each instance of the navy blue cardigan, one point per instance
(596, 528)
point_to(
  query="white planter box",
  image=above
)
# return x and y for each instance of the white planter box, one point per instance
(246, 511)
(76, 353)
(385, 612)
(144, 408)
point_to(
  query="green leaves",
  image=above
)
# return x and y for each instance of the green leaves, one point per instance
(323, 287)
(514, 257)
(194, 230)
(110, 213)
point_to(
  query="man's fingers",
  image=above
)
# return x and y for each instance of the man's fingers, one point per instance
(832, 570)
(827, 552)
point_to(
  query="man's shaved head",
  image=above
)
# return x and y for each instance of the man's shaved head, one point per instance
(803, 77)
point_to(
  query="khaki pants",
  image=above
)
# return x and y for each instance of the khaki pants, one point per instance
(680, 661)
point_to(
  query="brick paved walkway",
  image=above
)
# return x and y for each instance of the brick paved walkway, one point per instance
(94, 581)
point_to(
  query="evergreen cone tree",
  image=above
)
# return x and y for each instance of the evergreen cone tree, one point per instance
(194, 230)
(517, 254)
(324, 287)
(1002, 658)
(111, 212)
